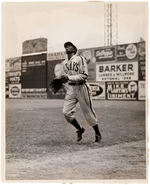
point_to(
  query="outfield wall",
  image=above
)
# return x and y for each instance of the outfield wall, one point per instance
(115, 73)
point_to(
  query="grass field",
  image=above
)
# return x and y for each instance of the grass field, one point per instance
(41, 145)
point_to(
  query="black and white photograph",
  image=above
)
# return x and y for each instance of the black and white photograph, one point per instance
(74, 91)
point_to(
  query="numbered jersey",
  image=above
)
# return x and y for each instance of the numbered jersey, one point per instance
(76, 68)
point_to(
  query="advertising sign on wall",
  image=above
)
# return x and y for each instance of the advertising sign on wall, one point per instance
(14, 80)
(122, 90)
(142, 70)
(141, 50)
(6, 65)
(126, 52)
(34, 90)
(14, 90)
(6, 90)
(56, 56)
(7, 77)
(14, 73)
(33, 71)
(117, 71)
(89, 55)
(142, 89)
(141, 59)
(97, 90)
(13, 64)
(34, 46)
(105, 54)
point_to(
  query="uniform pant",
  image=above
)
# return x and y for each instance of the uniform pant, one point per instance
(75, 94)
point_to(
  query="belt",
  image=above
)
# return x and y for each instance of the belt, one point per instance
(76, 83)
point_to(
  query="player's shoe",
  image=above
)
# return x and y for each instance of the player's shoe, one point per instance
(98, 138)
(79, 134)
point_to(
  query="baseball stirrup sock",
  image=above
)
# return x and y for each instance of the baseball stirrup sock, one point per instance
(76, 124)
(96, 129)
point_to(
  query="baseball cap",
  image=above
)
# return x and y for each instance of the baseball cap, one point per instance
(70, 44)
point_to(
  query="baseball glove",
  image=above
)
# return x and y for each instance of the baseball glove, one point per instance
(57, 83)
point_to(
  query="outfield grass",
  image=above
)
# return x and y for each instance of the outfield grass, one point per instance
(36, 132)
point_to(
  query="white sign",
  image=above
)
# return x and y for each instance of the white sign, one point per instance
(97, 90)
(142, 90)
(17, 73)
(117, 71)
(56, 56)
(33, 90)
(14, 79)
(131, 51)
(14, 90)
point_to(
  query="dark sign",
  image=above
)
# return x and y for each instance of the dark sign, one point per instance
(142, 70)
(126, 52)
(6, 90)
(105, 54)
(33, 70)
(122, 90)
(141, 59)
(141, 50)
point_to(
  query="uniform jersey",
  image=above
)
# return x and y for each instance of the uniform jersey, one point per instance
(76, 68)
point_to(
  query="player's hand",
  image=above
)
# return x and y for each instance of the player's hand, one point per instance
(64, 78)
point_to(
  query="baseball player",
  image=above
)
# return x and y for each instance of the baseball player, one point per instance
(77, 90)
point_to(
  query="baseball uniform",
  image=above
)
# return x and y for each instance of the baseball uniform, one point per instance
(77, 90)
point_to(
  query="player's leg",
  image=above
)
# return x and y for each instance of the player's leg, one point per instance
(69, 110)
(87, 108)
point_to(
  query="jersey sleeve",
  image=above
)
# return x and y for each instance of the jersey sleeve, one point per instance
(83, 71)
(63, 67)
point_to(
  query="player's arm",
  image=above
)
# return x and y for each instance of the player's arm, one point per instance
(83, 71)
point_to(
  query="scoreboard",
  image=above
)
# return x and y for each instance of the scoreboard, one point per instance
(33, 71)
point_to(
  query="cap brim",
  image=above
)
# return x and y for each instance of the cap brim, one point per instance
(68, 44)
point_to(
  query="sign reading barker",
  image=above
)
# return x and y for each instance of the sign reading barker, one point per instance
(117, 72)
